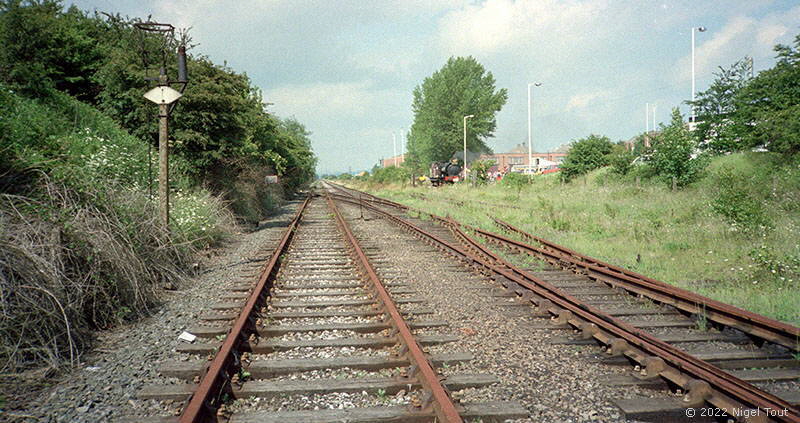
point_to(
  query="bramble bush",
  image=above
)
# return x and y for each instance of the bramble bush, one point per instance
(736, 203)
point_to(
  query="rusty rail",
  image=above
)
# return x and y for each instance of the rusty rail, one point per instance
(702, 381)
(202, 404)
(721, 384)
(442, 403)
(748, 322)
(755, 325)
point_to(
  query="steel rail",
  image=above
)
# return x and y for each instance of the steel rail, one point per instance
(724, 382)
(200, 407)
(703, 381)
(442, 402)
(748, 322)
(752, 324)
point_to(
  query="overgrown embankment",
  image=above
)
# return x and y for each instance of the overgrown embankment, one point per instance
(732, 236)
(80, 244)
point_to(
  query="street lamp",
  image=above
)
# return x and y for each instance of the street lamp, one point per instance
(699, 29)
(465, 143)
(530, 146)
(394, 149)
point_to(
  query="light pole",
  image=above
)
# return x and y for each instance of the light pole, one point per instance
(394, 148)
(654, 117)
(530, 142)
(402, 142)
(699, 29)
(646, 123)
(465, 143)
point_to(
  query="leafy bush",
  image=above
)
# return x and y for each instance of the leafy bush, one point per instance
(516, 181)
(736, 203)
(391, 174)
(220, 128)
(621, 162)
(673, 153)
(480, 168)
(199, 218)
(586, 155)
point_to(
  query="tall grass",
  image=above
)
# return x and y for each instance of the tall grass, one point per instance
(678, 237)
(81, 247)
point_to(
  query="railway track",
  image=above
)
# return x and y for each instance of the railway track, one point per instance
(318, 325)
(744, 369)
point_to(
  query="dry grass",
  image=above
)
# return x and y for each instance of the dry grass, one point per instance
(67, 268)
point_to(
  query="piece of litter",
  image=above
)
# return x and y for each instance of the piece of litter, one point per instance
(188, 337)
(93, 368)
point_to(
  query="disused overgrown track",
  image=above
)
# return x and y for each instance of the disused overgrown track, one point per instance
(700, 381)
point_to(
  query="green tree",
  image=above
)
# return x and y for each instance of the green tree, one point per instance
(716, 106)
(461, 87)
(586, 155)
(219, 126)
(44, 48)
(621, 159)
(674, 153)
(768, 109)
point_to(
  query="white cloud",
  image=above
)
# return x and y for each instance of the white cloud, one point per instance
(499, 25)
(582, 100)
(769, 34)
(741, 36)
(319, 100)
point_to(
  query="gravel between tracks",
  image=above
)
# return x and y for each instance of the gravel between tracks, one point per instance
(104, 386)
(557, 383)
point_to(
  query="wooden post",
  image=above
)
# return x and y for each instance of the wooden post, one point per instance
(674, 183)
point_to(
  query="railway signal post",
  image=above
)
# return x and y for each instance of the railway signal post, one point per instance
(165, 96)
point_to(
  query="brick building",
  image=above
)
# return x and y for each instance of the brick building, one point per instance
(519, 156)
(393, 161)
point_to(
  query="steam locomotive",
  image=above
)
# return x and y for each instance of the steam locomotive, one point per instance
(445, 173)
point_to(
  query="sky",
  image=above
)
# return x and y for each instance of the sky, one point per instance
(347, 69)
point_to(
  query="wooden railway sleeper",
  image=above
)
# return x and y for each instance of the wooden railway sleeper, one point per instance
(673, 375)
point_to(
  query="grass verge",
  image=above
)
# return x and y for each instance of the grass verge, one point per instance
(733, 236)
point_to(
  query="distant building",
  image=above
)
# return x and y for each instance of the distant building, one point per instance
(518, 156)
(393, 161)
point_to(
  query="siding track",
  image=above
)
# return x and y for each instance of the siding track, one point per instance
(745, 367)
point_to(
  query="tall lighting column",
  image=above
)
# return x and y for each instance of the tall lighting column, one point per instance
(465, 143)
(530, 142)
(698, 29)
(394, 149)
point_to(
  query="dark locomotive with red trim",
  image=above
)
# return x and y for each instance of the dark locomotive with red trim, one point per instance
(445, 172)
